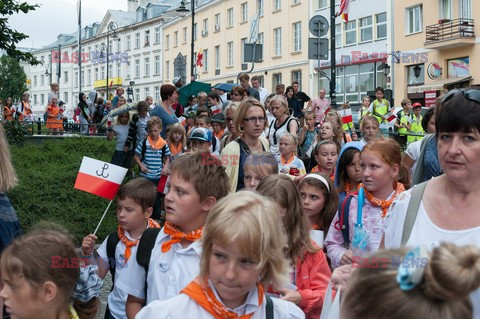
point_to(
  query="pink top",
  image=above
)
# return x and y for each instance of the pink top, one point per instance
(319, 107)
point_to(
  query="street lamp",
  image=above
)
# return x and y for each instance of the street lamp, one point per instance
(416, 70)
(386, 69)
(112, 26)
(182, 11)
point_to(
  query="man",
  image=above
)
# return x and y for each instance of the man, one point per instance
(149, 101)
(301, 98)
(53, 92)
(262, 91)
(319, 106)
(245, 83)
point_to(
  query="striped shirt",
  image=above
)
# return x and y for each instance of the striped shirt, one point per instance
(152, 160)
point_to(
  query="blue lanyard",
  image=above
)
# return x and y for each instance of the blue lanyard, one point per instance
(361, 199)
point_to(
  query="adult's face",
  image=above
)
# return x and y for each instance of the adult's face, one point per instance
(321, 94)
(229, 121)
(244, 83)
(295, 88)
(173, 98)
(202, 100)
(254, 122)
(256, 84)
(236, 96)
(278, 109)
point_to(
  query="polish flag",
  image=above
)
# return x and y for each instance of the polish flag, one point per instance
(99, 178)
(216, 109)
(162, 184)
(344, 9)
(346, 116)
(182, 120)
(391, 116)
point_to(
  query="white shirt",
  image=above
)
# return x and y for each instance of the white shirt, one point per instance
(426, 233)
(118, 297)
(263, 92)
(182, 306)
(168, 272)
(413, 151)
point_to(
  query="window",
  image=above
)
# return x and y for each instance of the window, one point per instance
(297, 37)
(338, 35)
(205, 27)
(381, 20)
(195, 32)
(137, 68)
(205, 60)
(110, 47)
(157, 65)
(146, 92)
(102, 73)
(42, 98)
(276, 79)
(167, 42)
(230, 53)
(243, 41)
(366, 29)
(167, 70)
(65, 97)
(261, 40)
(217, 57)
(297, 76)
(175, 38)
(147, 38)
(415, 80)
(157, 93)
(119, 70)
(65, 77)
(157, 35)
(321, 4)
(128, 75)
(34, 80)
(110, 71)
(446, 9)
(230, 17)
(295, 1)
(129, 43)
(42, 80)
(119, 46)
(185, 35)
(35, 99)
(277, 5)
(260, 7)
(137, 94)
(76, 80)
(147, 67)
(89, 77)
(466, 9)
(137, 40)
(96, 74)
(414, 19)
(216, 21)
(277, 42)
(244, 8)
(350, 32)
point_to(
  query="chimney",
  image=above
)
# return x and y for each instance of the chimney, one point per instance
(132, 5)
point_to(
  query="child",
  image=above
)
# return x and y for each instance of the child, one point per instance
(119, 92)
(257, 166)
(311, 271)
(416, 126)
(380, 106)
(333, 117)
(347, 172)
(369, 128)
(383, 179)
(403, 122)
(306, 137)
(289, 163)
(123, 155)
(438, 288)
(326, 154)
(320, 201)
(363, 109)
(137, 130)
(54, 118)
(242, 255)
(201, 140)
(177, 141)
(135, 201)
(347, 127)
(197, 181)
(34, 286)
(218, 125)
(204, 121)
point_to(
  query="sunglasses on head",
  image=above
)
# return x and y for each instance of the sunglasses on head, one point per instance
(469, 94)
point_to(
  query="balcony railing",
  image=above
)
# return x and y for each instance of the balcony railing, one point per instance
(449, 30)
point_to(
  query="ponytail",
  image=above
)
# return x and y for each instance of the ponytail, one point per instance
(86, 310)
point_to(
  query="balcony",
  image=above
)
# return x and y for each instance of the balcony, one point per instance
(450, 34)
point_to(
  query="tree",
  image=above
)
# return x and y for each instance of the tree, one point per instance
(10, 37)
(12, 78)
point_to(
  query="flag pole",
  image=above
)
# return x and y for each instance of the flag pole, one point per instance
(103, 216)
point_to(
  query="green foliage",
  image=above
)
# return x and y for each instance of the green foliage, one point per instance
(12, 78)
(16, 132)
(47, 173)
(10, 37)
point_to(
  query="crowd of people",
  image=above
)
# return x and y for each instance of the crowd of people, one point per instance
(253, 205)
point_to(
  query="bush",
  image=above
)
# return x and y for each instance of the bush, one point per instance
(47, 173)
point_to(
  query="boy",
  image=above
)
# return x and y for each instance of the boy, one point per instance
(137, 130)
(204, 122)
(306, 137)
(135, 201)
(404, 119)
(197, 182)
(416, 125)
(218, 125)
(201, 140)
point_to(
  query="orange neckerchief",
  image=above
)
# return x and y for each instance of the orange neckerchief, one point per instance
(205, 297)
(315, 227)
(175, 149)
(318, 169)
(384, 204)
(131, 243)
(219, 135)
(158, 144)
(176, 236)
(284, 162)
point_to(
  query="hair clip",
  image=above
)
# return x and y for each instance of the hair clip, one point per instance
(88, 284)
(411, 268)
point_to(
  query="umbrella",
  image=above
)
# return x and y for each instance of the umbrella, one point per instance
(225, 87)
(119, 110)
(192, 89)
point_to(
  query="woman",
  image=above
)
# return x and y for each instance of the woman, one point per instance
(238, 94)
(8, 111)
(282, 124)
(164, 110)
(229, 118)
(250, 120)
(293, 104)
(54, 118)
(84, 113)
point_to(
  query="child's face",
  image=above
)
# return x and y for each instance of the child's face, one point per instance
(21, 299)
(326, 131)
(108, 104)
(379, 95)
(353, 169)
(154, 132)
(120, 92)
(251, 179)
(193, 101)
(177, 137)
(312, 199)
(183, 205)
(376, 174)
(286, 146)
(123, 118)
(130, 215)
(217, 127)
(408, 106)
(202, 146)
(309, 121)
(332, 118)
(142, 113)
(417, 111)
(232, 273)
(200, 123)
(121, 102)
(369, 130)
(327, 156)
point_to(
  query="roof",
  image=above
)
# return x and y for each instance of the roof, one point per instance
(123, 18)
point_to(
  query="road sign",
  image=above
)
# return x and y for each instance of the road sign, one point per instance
(318, 26)
(317, 49)
(254, 26)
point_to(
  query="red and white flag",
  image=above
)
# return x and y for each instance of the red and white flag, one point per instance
(163, 184)
(346, 116)
(344, 9)
(391, 116)
(216, 109)
(182, 120)
(99, 178)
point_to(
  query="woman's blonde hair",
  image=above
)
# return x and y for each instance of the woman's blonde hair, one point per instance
(283, 191)
(251, 221)
(8, 178)
(262, 164)
(177, 128)
(451, 274)
(283, 101)
(242, 110)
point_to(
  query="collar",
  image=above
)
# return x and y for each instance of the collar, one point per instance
(196, 245)
(250, 304)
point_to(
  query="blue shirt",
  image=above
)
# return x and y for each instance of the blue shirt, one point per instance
(153, 160)
(167, 119)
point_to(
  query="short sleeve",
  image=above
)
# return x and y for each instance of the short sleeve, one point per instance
(102, 250)
(167, 150)
(138, 149)
(156, 309)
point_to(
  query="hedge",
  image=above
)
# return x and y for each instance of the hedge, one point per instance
(47, 171)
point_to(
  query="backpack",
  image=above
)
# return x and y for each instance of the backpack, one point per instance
(144, 251)
(112, 242)
(343, 218)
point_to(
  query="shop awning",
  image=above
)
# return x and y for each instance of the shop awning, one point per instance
(437, 85)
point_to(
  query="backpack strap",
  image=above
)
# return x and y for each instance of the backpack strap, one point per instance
(412, 211)
(343, 218)
(269, 307)
(144, 251)
(112, 242)
(144, 148)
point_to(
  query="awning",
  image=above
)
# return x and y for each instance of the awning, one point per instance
(437, 85)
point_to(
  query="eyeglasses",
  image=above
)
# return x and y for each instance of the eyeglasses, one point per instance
(469, 94)
(255, 119)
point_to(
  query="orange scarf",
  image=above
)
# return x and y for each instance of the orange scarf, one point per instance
(158, 145)
(176, 236)
(219, 135)
(318, 169)
(284, 162)
(315, 227)
(132, 243)
(205, 297)
(384, 204)
(175, 149)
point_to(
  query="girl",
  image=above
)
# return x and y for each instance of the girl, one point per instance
(293, 104)
(177, 141)
(347, 173)
(119, 92)
(383, 179)
(121, 157)
(242, 253)
(258, 166)
(370, 128)
(54, 118)
(438, 288)
(333, 117)
(289, 163)
(307, 136)
(311, 271)
(320, 201)
(84, 113)
(34, 286)
(8, 111)
(326, 154)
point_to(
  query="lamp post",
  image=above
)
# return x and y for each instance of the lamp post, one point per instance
(182, 11)
(112, 26)
(48, 72)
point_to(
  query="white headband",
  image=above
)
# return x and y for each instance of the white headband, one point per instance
(321, 179)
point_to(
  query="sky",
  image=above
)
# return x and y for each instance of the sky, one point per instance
(59, 16)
